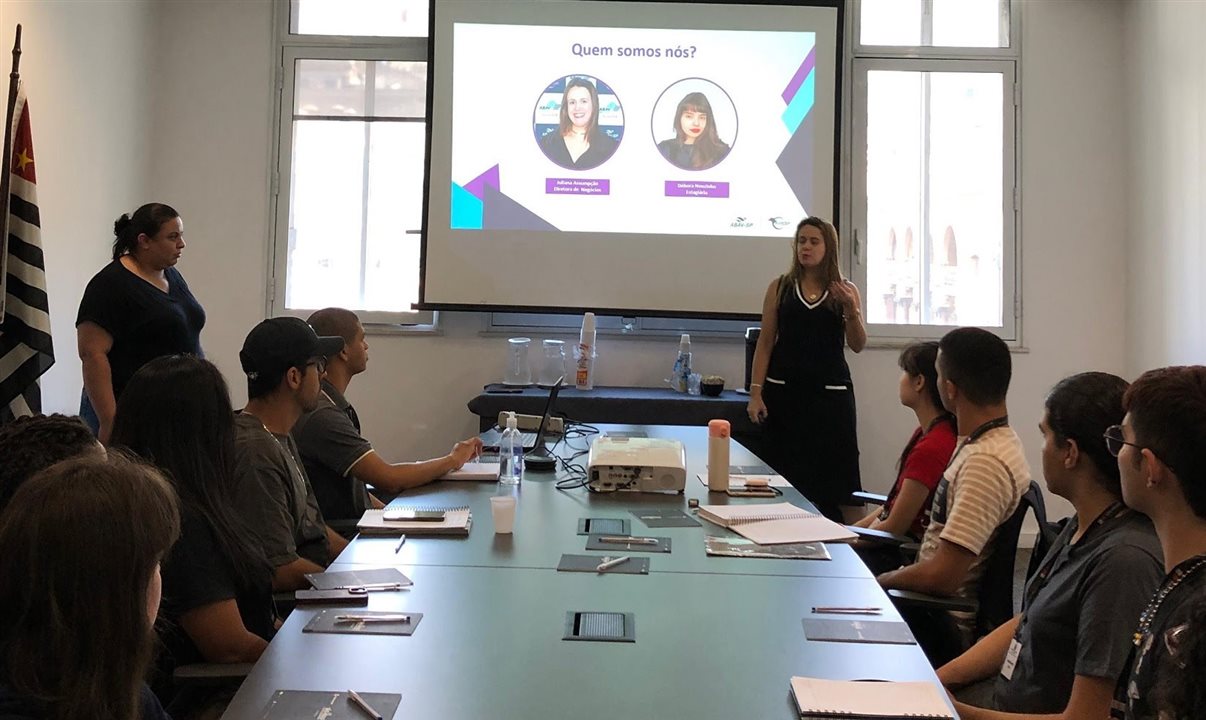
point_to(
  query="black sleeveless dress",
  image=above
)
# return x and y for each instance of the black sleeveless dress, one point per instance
(810, 428)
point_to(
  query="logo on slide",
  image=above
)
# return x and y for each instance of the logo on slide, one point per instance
(779, 223)
(741, 222)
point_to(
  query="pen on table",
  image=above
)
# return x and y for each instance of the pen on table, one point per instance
(384, 617)
(848, 610)
(609, 564)
(360, 703)
(399, 545)
(628, 540)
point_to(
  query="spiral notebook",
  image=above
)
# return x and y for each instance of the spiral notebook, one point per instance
(776, 523)
(457, 521)
(868, 699)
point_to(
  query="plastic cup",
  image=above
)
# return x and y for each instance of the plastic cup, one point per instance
(502, 510)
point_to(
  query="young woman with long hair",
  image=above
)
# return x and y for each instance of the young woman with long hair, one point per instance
(80, 588)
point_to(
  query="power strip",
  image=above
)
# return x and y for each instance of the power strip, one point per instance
(531, 423)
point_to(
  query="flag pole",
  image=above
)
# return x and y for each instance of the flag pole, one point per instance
(14, 79)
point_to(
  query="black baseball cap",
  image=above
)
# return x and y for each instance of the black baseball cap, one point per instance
(279, 343)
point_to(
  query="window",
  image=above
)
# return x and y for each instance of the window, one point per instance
(934, 166)
(352, 141)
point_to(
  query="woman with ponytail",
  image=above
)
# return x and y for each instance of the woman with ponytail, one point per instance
(135, 309)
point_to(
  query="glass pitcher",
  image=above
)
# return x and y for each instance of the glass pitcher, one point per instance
(519, 370)
(553, 365)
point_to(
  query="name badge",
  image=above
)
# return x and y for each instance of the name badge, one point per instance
(1011, 659)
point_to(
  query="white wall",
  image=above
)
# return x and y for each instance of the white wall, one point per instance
(211, 141)
(85, 66)
(1166, 233)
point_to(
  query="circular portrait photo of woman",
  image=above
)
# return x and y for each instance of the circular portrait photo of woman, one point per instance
(694, 124)
(578, 122)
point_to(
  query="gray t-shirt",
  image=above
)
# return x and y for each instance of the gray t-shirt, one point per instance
(274, 496)
(330, 445)
(1080, 620)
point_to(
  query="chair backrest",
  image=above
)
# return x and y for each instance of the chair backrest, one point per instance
(995, 595)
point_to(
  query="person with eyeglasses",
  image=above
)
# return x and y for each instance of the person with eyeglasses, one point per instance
(284, 360)
(1060, 657)
(1161, 450)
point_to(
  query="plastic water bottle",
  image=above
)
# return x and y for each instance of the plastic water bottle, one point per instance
(584, 354)
(510, 453)
(682, 365)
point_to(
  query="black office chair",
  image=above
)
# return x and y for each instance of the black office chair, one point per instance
(993, 603)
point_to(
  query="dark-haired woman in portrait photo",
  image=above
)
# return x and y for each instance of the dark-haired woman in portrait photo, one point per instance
(135, 309)
(80, 588)
(217, 582)
(579, 143)
(801, 391)
(696, 144)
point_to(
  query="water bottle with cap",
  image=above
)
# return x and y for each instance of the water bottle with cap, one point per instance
(510, 453)
(584, 354)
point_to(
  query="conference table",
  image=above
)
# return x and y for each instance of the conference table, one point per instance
(714, 637)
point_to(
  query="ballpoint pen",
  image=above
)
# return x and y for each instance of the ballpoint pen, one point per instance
(365, 707)
(384, 617)
(628, 540)
(609, 564)
(399, 545)
(848, 610)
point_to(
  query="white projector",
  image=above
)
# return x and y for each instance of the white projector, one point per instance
(637, 464)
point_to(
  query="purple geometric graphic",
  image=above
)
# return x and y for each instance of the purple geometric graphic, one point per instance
(477, 185)
(797, 80)
(795, 162)
(500, 212)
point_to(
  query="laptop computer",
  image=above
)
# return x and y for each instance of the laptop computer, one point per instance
(531, 440)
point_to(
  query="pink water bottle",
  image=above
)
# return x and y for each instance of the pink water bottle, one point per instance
(718, 455)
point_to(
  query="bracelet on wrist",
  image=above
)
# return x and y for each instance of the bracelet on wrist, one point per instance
(755, 385)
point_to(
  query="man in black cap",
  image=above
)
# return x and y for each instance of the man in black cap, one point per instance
(284, 360)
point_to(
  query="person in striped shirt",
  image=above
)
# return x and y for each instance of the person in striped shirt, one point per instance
(979, 490)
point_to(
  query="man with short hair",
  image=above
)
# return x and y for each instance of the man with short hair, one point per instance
(32, 443)
(979, 490)
(284, 360)
(338, 460)
(1161, 449)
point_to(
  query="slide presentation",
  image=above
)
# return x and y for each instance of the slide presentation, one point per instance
(646, 141)
(633, 130)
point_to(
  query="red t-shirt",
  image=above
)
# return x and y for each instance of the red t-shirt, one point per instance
(925, 464)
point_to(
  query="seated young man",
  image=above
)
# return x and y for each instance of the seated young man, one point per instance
(338, 460)
(979, 490)
(1061, 657)
(1161, 449)
(284, 360)
(33, 443)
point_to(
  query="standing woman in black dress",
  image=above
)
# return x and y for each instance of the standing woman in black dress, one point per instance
(800, 390)
(137, 308)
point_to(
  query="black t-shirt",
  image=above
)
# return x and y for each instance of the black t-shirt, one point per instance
(330, 443)
(16, 707)
(197, 573)
(810, 349)
(1080, 610)
(144, 321)
(1153, 657)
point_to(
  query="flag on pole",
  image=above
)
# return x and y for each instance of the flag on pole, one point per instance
(25, 346)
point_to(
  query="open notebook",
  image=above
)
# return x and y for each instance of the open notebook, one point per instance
(868, 699)
(456, 522)
(776, 523)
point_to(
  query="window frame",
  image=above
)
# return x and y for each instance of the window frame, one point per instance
(1006, 60)
(288, 49)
